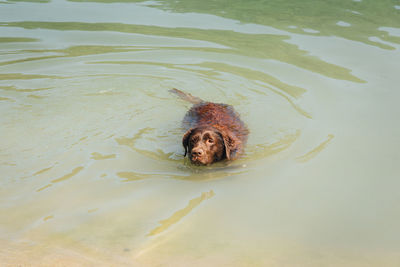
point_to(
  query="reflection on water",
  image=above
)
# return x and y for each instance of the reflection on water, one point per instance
(20, 76)
(98, 156)
(63, 178)
(69, 175)
(5, 99)
(189, 173)
(265, 150)
(309, 155)
(91, 160)
(13, 88)
(177, 216)
(260, 46)
(312, 17)
(17, 39)
(131, 143)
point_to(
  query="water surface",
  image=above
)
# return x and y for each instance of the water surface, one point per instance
(91, 164)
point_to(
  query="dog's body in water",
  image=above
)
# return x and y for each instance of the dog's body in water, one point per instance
(214, 131)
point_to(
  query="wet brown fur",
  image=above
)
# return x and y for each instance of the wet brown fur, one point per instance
(207, 121)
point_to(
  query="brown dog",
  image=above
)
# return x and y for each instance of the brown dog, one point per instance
(214, 131)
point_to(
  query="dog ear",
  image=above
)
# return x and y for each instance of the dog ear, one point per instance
(185, 140)
(231, 144)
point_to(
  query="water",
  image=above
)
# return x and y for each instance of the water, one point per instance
(91, 162)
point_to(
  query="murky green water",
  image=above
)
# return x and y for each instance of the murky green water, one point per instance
(91, 163)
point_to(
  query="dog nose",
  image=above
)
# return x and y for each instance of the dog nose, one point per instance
(197, 152)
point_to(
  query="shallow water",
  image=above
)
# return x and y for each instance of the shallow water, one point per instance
(91, 163)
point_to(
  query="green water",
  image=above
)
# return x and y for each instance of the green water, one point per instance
(91, 164)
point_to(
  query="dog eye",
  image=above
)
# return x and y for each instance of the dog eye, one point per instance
(194, 140)
(210, 141)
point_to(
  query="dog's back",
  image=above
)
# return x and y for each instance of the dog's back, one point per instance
(220, 116)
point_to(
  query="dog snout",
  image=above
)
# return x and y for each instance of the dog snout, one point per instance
(197, 152)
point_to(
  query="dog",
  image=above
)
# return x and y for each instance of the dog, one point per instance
(214, 132)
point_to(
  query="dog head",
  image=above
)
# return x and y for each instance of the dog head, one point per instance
(206, 145)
